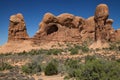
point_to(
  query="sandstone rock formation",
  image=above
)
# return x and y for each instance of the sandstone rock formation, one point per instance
(17, 28)
(101, 15)
(101, 32)
(68, 28)
(117, 35)
(87, 30)
(109, 30)
(64, 27)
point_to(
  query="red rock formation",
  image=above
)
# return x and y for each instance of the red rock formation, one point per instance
(88, 29)
(68, 28)
(64, 27)
(117, 35)
(109, 30)
(17, 28)
(101, 15)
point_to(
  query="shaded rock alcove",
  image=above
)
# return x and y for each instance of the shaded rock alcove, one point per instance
(51, 29)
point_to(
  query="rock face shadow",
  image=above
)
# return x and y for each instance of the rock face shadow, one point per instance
(51, 29)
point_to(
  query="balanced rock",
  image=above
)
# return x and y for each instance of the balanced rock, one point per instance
(101, 15)
(17, 28)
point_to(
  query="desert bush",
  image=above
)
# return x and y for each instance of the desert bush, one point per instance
(5, 66)
(51, 69)
(112, 47)
(95, 69)
(90, 58)
(31, 68)
(33, 52)
(71, 67)
(85, 49)
(77, 48)
(5, 54)
(54, 51)
(115, 46)
(74, 51)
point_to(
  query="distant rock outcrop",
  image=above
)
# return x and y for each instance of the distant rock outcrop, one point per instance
(68, 28)
(64, 27)
(17, 28)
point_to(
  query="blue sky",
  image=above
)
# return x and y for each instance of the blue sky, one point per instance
(33, 11)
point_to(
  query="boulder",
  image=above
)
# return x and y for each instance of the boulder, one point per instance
(48, 18)
(101, 14)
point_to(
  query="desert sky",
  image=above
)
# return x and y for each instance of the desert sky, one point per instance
(33, 11)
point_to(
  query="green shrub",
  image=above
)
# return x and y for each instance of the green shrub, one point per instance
(77, 48)
(115, 46)
(31, 68)
(89, 58)
(84, 48)
(5, 54)
(5, 66)
(33, 52)
(54, 51)
(95, 69)
(72, 63)
(74, 51)
(71, 67)
(100, 70)
(51, 69)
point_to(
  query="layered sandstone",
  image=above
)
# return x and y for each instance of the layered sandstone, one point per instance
(101, 15)
(117, 35)
(68, 28)
(17, 28)
(62, 28)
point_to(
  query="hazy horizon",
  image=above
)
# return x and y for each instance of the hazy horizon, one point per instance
(33, 12)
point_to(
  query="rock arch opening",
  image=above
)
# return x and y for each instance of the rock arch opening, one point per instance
(52, 29)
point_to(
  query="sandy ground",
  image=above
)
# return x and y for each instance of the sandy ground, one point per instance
(21, 46)
(99, 44)
(54, 77)
(16, 47)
